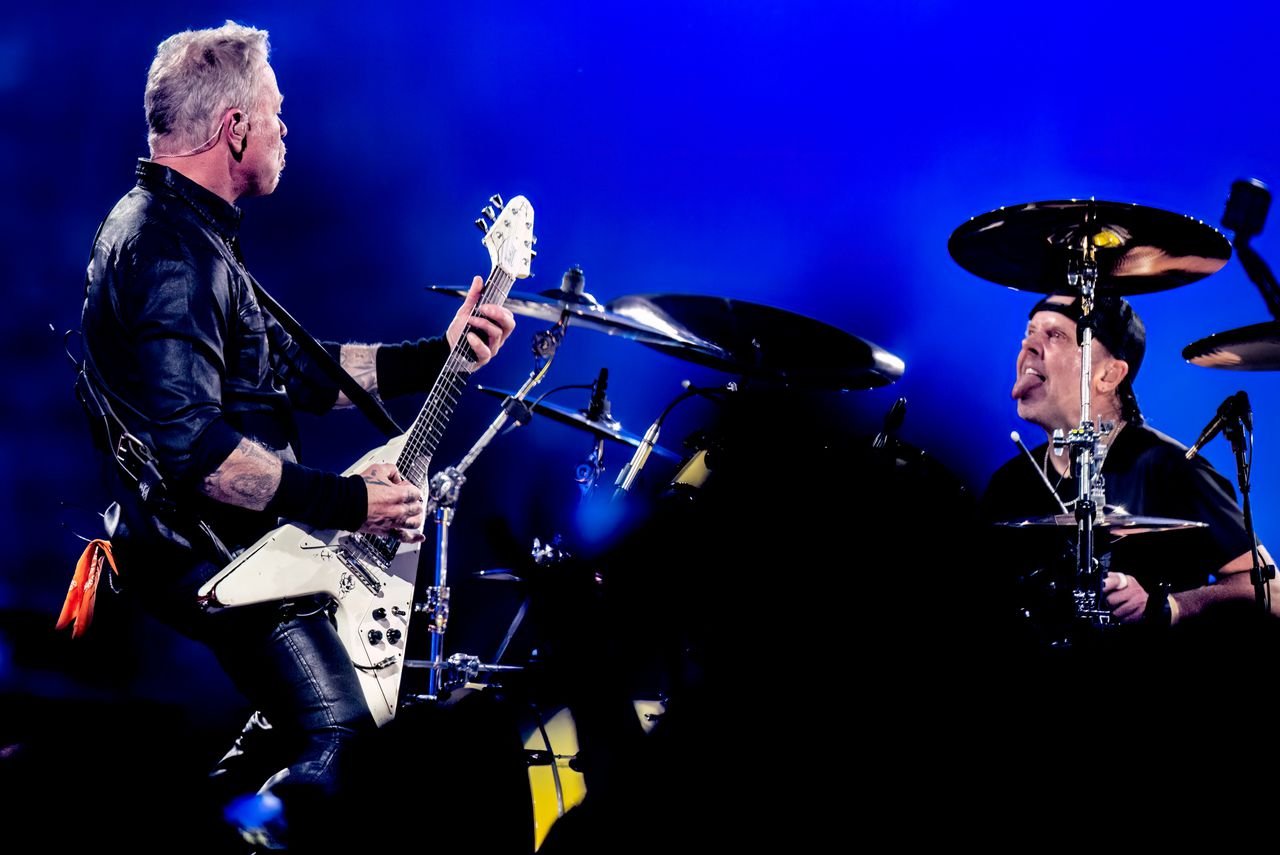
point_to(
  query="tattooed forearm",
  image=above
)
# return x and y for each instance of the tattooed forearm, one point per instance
(361, 362)
(248, 478)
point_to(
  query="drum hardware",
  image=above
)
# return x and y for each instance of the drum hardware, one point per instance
(446, 485)
(606, 428)
(1090, 249)
(1244, 214)
(1234, 420)
(1250, 348)
(1255, 347)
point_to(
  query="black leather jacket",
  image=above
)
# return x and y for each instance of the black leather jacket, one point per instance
(190, 361)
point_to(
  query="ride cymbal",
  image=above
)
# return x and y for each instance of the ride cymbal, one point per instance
(1138, 249)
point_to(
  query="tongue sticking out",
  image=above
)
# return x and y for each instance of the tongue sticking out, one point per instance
(1025, 383)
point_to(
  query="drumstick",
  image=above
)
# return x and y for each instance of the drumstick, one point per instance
(1013, 435)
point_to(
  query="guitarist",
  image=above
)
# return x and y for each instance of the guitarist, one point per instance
(196, 369)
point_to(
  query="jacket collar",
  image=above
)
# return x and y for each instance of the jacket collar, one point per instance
(209, 206)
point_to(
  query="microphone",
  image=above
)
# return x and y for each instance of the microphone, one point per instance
(1234, 407)
(629, 472)
(892, 423)
(598, 409)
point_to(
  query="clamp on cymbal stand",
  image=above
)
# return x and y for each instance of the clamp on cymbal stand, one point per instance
(445, 487)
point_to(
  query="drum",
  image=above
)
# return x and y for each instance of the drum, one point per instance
(494, 773)
(555, 783)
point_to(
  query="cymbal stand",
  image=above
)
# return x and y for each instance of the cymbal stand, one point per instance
(442, 499)
(1083, 442)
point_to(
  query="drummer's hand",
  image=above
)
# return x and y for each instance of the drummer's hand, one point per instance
(1125, 596)
(494, 322)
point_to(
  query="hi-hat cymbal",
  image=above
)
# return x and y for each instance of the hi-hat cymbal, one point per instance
(1252, 348)
(606, 427)
(762, 341)
(585, 311)
(1138, 249)
(1115, 522)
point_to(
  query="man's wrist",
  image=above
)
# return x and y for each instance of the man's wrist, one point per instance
(321, 499)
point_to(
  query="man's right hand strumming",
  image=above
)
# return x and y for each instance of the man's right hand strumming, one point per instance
(395, 505)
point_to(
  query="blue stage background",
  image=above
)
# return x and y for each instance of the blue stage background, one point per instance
(811, 156)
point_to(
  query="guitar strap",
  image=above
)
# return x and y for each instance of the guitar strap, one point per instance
(370, 406)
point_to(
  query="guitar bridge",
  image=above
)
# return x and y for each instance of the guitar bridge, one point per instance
(359, 561)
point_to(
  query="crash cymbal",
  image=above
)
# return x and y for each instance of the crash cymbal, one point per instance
(607, 427)
(1115, 521)
(1251, 348)
(762, 341)
(584, 311)
(1138, 249)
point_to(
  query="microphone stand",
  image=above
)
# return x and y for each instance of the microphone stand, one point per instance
(1260, 573)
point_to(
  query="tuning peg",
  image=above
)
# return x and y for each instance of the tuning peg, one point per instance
(496, 201)
(533, 253)
(489, 212)
(482, 225)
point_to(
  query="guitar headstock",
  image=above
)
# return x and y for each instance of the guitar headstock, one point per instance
(508, 234)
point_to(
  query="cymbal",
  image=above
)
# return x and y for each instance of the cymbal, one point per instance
(762, 341)
(498, 574)
(1252, 348)
(1138, 249)
(1115, 521)
(585, 311)
(608, 427)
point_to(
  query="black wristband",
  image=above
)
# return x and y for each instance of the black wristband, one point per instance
(410, 366)
(320, 499)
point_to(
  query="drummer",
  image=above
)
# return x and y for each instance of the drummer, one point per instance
(1146, 473)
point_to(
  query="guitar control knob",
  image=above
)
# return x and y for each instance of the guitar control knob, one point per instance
(375, 636)
(393, 636)
(379, 613)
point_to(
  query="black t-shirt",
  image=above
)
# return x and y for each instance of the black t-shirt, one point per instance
(1147, 474)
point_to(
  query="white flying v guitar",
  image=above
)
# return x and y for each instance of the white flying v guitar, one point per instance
(371, 577)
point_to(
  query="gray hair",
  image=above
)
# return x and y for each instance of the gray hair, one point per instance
(195, 76)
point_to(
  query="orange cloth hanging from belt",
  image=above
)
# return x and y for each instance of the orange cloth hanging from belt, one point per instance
(78, 607)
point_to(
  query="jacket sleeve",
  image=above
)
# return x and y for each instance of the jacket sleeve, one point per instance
(176, 308)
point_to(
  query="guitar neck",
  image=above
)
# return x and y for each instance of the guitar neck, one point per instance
(428, 428)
